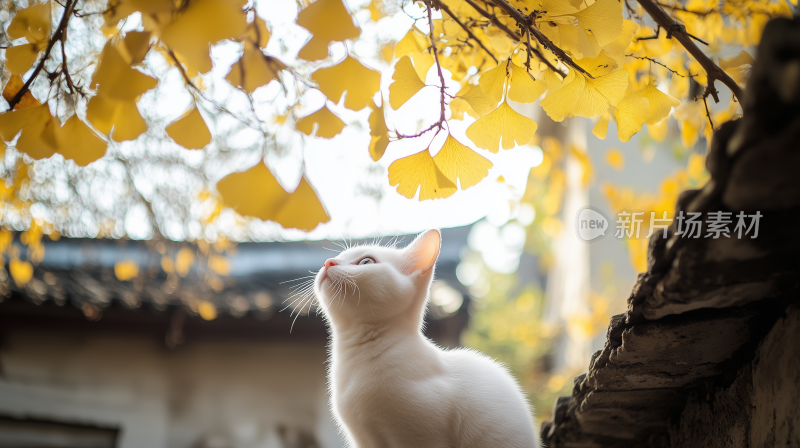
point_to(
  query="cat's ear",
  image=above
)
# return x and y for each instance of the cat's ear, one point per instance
(424, 250)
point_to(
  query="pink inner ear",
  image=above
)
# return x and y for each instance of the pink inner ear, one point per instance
(424, 251)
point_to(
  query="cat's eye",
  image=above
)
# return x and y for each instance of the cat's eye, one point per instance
(366, 260)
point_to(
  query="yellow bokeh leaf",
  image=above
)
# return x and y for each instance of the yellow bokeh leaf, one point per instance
(21, 57)
(458, 162)
(254, 192)
(350, 76)
(419, 172)
(203, 23)
(630, 115)
(220, 265)
(303, 209)
(32, 23)
(12, 87)
(524, 89)
(120, 9)
(616, 49)
(126, 270)
(378, 131)
(190, 130)
(207, 310)
(615, 159)
(79, 143)
(327, 21)
(184, 261)
(513, 127)
(493, 81)
(326, 123)
(660, 103)
(659, 130)
(254, 69)
(122, 117)
(21, 271)
(406, 83)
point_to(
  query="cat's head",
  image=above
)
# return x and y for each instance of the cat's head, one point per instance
(378, 283)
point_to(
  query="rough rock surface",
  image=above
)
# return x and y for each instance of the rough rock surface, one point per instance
(708, 353)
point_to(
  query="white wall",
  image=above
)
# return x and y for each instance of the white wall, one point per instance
(200, 395)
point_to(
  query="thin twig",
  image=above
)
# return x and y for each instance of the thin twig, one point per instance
(678, 31)
(526, 22)
(62, 25)
(512, 34)
(472, 36)
(439, 124)
(688, 75)
(708, 114)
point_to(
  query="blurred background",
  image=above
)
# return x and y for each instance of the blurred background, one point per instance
(151, 315)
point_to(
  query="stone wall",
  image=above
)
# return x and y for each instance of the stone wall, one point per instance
(708, 353)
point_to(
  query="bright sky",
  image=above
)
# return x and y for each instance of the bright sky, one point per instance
(339, 168)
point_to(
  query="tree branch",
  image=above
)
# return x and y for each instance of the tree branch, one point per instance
(472, 36)
(526, 22)
(678, 31)
(62, 25)
(492, 18)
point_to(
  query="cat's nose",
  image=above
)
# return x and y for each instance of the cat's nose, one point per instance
(330, 262)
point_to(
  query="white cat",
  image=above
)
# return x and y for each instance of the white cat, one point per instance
(390, 386)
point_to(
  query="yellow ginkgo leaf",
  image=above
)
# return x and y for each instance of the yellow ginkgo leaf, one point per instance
(660, 103)
(600, 130)
(254, 192)
(479, 101)
(203, 23)
(493, 81)
(126, 270)
(603, 19)
(406, 83)
(327, 21)
(303, 209)
(254, 69)
(630, 115)
(524, 89)
(206, 310)
(123, 8)
(190, 130)
(600, 65)
(375, 11)
(378, 131)
(350, 76)
(419, 172)
(115, 79)
(79, 143)
(616, 49)
(39, 138)
(615, 159)
(21, 57)
(13, 87)
(257, 33)
(513, 127)
(21, 271)
(457, 162)
(122, 117)
(324, 121)
(559, 104)
(32, 23)
(601, 92)
(412, 42)
(458, 107)
(134, 47)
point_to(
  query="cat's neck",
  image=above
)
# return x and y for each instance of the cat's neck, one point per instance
(374, 338)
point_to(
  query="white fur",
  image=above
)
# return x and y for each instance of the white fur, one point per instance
(393, 388)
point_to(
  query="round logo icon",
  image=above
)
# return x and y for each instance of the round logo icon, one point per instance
(591, 224)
